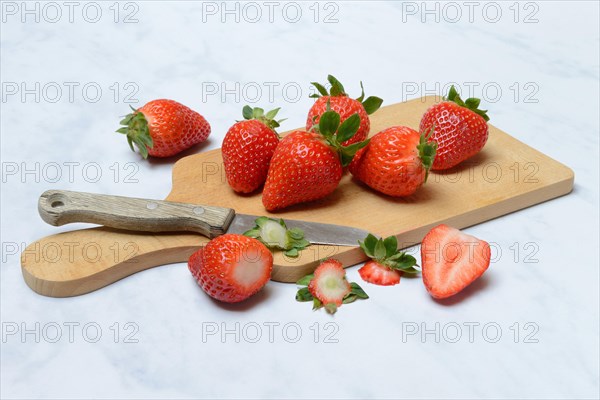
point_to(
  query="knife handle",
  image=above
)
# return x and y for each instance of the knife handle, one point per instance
(59, 207)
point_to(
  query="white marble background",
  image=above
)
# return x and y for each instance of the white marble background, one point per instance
(543, 58)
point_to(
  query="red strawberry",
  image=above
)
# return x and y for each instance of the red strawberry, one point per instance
(461, 129)
(343, 105)
(163, 128)
(307, 166)
(248, 147)
(231, 267)
(387, 262)
(452, 260)
(396, 161)
(329, 284)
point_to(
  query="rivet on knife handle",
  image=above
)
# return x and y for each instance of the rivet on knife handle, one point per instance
(59, 207)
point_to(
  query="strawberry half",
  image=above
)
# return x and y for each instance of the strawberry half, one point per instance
(461, 129)
(328, 287)
(452, 260)
(387, 262)
(163, 128)
(337, 100)
(248, 147)
(231, 268)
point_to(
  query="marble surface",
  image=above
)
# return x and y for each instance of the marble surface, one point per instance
(528, 329)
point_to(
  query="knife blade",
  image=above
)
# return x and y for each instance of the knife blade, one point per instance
(59, 207)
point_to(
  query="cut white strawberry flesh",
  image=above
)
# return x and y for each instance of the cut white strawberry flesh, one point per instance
(329, 284)
(250, 269)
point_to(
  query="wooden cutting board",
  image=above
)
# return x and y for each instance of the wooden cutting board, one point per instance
(506, 176)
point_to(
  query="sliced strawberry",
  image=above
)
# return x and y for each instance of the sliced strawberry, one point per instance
(329, 284)
(387, 262)
(452, 260)
(379, 274)
(231, 268)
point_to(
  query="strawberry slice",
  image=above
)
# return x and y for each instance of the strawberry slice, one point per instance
(329, 284)
(387, 262)
(328, 287)
(379, 274)
(452, 260)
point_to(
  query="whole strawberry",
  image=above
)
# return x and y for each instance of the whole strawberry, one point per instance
(163, 128)
(307, 166)
(231, 268)
(396, 161)
(461, 129)
(248, 147)
(345, 106)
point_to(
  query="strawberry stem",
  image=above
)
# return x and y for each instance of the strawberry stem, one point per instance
(371, 104)
(135, 128)
(258, 114)
(471, 103)
(427, 150)
(386, 252)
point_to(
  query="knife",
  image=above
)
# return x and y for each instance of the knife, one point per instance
(60, 207)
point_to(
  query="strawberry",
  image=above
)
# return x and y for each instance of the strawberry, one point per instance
(345, 106)
(163, 128)
(248, 147)
(460, 132)
(396, 161)
(452, 260)
(231, 268)
(328, 287)
(387, 262)
(307, 166)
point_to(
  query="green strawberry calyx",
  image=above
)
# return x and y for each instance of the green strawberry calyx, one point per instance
(427, 149)
(135, 128)
(471, 103)
(385, 252)
(274, 233)
(371, 103)
(259, 114)
(336, 133)
(303, 295)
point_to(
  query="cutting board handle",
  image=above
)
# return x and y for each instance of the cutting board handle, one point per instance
(59, 207)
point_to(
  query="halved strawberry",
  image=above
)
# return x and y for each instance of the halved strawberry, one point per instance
(387, 262)
(328, 287)
(452, 260)
(231, 267)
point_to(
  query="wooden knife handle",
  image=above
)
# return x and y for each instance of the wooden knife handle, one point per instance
(59, 207)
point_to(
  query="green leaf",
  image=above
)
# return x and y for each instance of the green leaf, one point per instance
(253, 233)
(348, 128)
(337, 89)
(380, 251)
(370, 242)
(331, 308)
(372, 104)
(130, 143)
(261, 221)
(271, 114)
(247, 112)
(122, 130)
(321, 90)
(304, 295)
(472, 103)
(296, 233)
(305, 280)
(348, 152)
(293, 252)
(317, 304)
(258, 112)
(391, 246)
(358, 291)
(366, 250)
(329, 123)
(350, 298)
